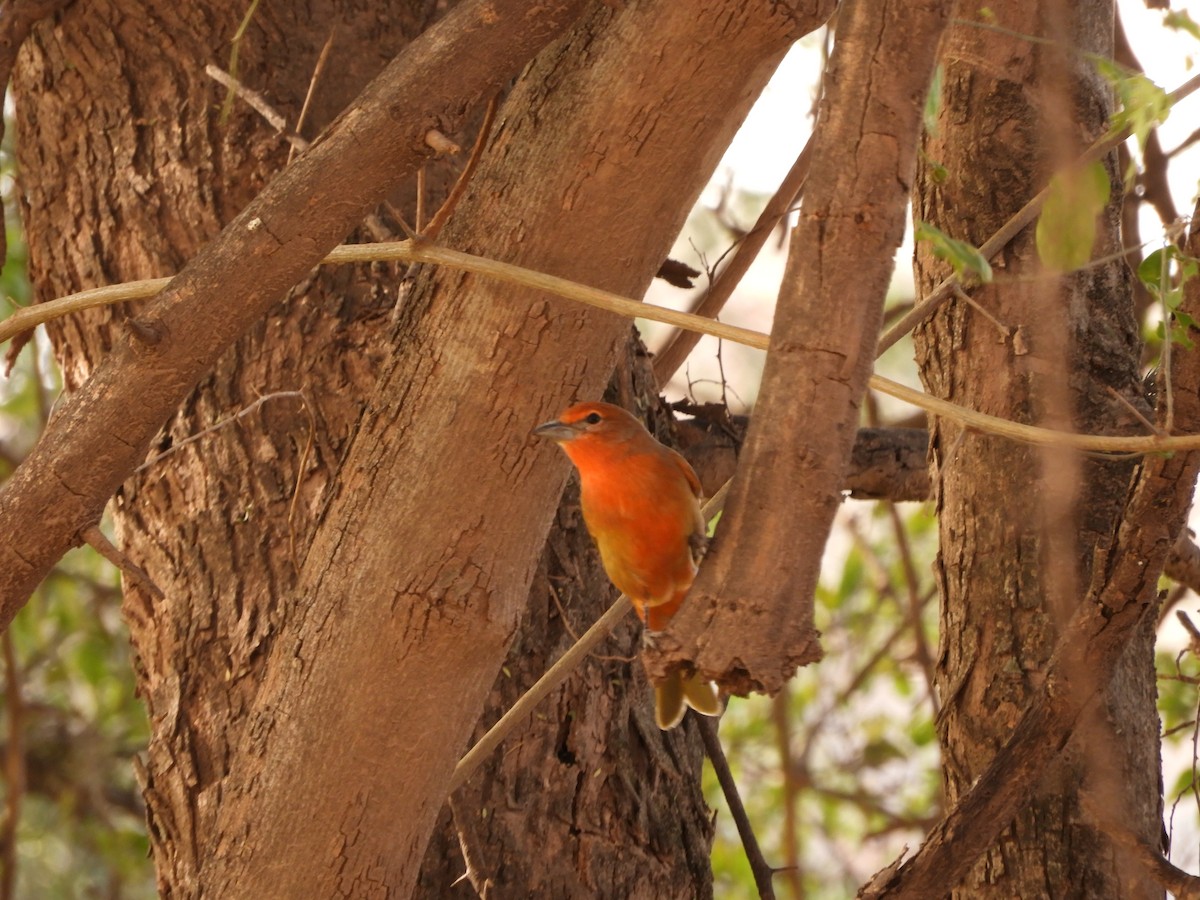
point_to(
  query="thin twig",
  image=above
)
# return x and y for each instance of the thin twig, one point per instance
(781, 716)
(467, 840)
(216, 426)
(562, 612)
(410, 251)
(419, 215)
(913, 608)
(1005, 331)
(96, 539)
(235, 49)
(442, 216)
(556, 674)
(312, 87)
(258, 103)
(300, 464)
(668, 360)
(440, 144)
(759, 866)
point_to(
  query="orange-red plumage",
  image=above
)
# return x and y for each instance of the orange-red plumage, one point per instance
(641, 504)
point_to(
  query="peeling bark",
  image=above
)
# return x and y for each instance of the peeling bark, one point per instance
(747, 631)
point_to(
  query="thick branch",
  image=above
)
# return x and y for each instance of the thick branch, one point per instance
(102, 431)
(747, 631)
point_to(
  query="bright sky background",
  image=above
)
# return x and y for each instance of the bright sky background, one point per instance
(776, 129)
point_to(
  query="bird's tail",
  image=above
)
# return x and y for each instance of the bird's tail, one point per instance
(674, 694)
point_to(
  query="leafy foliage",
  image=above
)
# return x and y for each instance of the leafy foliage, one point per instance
(1164, 273)
(81, 831)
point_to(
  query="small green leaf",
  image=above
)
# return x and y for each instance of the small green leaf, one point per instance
(965, 259)
(1066, 229)
(1144, 105)
(1179, 334)
(933, 101)
(1179, 20)
(1164, 273)
(1150, 271)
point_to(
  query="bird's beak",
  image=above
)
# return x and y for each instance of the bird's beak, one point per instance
(556, 431)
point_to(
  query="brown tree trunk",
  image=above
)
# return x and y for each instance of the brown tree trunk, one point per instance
(308, 700)
(558, 812)
(1019, 526)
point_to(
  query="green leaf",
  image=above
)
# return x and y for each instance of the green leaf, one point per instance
(1151, 270)
(1179, 20)
(964, 258)
(1144, 105)
(1179, 334)
(933, 101)
(1066, 229)
(1164, 273)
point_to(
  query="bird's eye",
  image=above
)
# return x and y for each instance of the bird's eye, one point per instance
(593, 418)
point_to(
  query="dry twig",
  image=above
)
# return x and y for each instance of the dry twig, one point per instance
(759, 866)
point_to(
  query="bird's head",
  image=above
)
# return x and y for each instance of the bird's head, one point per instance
(591, 423)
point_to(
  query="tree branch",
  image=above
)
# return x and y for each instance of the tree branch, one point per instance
(102, 431)
(762, 870)
(744, 631)
(681, 343)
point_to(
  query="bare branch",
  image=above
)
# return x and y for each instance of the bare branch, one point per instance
(716, 755)
(672, 356)
(258, 103)
(97, 540)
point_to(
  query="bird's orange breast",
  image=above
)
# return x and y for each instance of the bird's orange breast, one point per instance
(641, 513)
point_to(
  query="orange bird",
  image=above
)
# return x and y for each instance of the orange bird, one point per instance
(641, 504)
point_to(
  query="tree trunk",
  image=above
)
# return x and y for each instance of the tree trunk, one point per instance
(557, 812)
(308, 699)
(1019, 526)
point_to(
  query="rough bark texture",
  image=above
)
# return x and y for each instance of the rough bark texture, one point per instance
(557, 812)
(1092, 649)
(304, 727)
(747, 631)
(1019, 527)
(104, 428)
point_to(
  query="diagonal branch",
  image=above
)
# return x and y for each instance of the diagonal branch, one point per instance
(102, 431)
(672, 356)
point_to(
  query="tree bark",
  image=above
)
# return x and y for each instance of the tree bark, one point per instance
(744, 630)
(317, 665)
(1020, 527)
(102, 430)
(591, 799)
